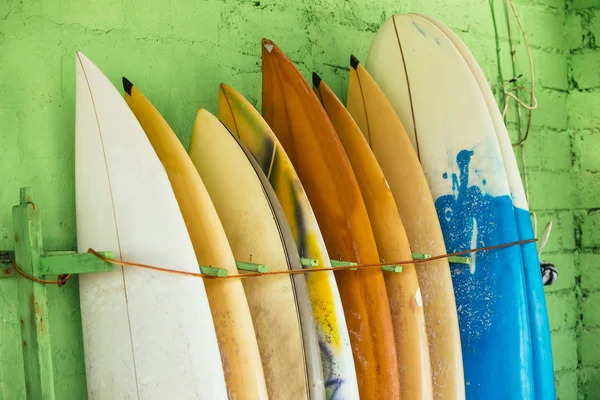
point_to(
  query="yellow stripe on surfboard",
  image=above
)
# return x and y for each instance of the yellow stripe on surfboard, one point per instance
(336, 354)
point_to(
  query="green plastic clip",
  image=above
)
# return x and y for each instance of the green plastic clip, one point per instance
(213, 271)
(248, 266)
(420, 256)
(309, 262)
(338, 263)
(460, 260)
(392, 268)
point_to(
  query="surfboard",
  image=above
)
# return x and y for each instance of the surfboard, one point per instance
(146, 334)
(244, 121)
(398, 160)
(438, 100)
(257, 233)
(301, 125)
(403, 290)
(543, 369)
(232, 320)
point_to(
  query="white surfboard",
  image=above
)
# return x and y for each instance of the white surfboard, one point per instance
(147, 335)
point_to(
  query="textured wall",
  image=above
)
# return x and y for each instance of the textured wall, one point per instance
(177, 52)
(584, 122)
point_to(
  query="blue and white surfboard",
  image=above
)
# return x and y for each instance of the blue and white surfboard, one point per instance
(543, 370)
(439, 101)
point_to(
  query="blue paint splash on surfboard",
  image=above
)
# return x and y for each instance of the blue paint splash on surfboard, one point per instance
(421, 31)
(490, 293)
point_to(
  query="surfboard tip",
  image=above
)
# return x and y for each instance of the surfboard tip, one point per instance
(354, 61)
(127, 85)
(316, 79)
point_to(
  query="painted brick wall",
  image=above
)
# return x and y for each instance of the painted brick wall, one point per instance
(583, 40)
(178, 51)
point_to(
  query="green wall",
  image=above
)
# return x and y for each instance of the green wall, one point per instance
(177, 52)
(584, 124)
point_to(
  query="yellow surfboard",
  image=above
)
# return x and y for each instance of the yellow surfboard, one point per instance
(233, 323)
(403, 290)
(256, 234)
(336, 353)
(299, 121)
(392, 147)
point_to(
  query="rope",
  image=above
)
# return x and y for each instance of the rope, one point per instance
(62, 279)
(310, 270)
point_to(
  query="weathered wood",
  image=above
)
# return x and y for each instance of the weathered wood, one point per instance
(33, 308)
(74, 263)
(6, 269)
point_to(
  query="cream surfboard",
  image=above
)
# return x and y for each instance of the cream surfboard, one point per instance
(257, 232)
(336, 354)
(147, 335)
(233, 323)
(543, 369)
(440, 103)
(398, 160)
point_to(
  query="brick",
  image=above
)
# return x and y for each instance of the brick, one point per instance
(537, 22)
(553, 74)
(589, 347)
(589, 383)
(595, 23)
(548, 150)
(552, 109)
(588, 190)
(586, 70)
(581, 4)
(583, 111)
(555, 189)
(566, 385)
(589, 150)
(564, 349)
(574, 31)
(589, 267)
(590, 230)
(590, 310)
(563, 226)
(562, 310)
(565, 265)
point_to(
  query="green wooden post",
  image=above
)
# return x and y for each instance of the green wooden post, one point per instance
(33, 308)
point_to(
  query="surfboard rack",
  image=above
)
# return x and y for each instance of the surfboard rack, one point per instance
(339, 263)
(392, 268)
(309, 262)
(31, 259)
(386, 268)
(248, 266)
(420, 256)
(460, 260)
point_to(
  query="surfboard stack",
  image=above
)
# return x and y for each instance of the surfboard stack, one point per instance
(417, 163)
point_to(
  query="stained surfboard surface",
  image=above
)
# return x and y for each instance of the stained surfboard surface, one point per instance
(403, 290)
(391, 146)
(439, 102)
(246, 123)
(298, 120)
(232, 319)
(257, 232)
(147, 335)
(543, 369)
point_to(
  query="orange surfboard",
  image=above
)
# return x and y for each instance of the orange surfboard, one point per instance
(299, 121)
(403, 289)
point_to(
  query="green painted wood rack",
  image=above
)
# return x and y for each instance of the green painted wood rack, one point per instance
(31, 259)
